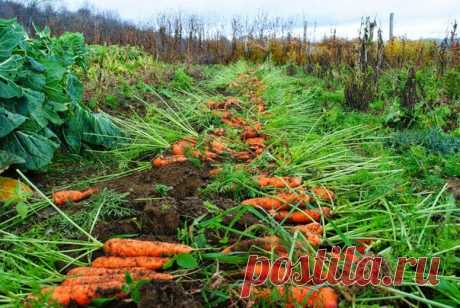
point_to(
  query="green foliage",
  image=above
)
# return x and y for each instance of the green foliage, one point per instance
(432, 139)
(452, 84)
(40, 98)
(181, 80)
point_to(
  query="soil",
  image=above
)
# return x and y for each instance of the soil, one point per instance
(167, 294)
(158, 216)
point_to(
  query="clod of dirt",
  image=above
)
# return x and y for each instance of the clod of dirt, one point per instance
(106, 230)
(160, 217)
(184, 179)
(244, 221)
(166, 294)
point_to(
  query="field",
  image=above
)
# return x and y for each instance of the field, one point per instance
(175, 151)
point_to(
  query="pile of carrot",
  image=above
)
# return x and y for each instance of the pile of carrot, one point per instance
(279, 182)
(187, 146)
(106, 275)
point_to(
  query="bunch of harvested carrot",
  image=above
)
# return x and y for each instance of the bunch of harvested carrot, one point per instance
(62, 197)
(307, 296)
(106, 275)
(136, 248)
(279, 182)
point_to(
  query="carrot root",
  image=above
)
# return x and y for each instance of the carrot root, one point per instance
(136, 248)
(120, 262)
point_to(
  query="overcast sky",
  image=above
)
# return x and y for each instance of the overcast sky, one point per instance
(413, 18)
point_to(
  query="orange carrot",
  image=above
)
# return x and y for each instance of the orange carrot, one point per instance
(162, 161)
(313, 227)
(218, 147)
(279, 182)
(302, 216)
(244, 156)
(297, 197)
(324, 194)
(266, 243)
(117, 262)
(311, 231)
(265, 203)
(322, 297)
(84, 294)
(218, 132)
(249, 132)
(136, 248)
(92, 271)
(261, 107)
(256, 141)
(213, 105)
(135, 275)
(182, 146)
(62, 197)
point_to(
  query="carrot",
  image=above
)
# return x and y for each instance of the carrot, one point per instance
(244, 156)
(311, 231)
(218, 147)
(218, 132)
(118, 262)
(249, 132)
(299, 198)
(62, 197)
(99, 271)
(136, 248)
(266, 243)
(162, 161)
(232, 101)
(265, 203)
(135, 275)
(322, 297)
(261, 107)
(84, 294)
(215, 105)
(279, 182)
(302, 216)
(324, 194)
(233, 121)
(182, 146)
(314, 228)
(256, 141)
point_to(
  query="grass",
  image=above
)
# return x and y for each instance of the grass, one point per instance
(395, 196)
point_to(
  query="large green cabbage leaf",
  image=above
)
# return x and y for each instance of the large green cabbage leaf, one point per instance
(40, 99)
